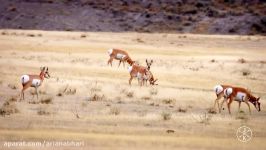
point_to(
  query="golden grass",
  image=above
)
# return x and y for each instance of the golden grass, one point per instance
(119, 116)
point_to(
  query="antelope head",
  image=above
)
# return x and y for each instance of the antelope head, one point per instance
(45, 72)
(152, 82)
(149, 63)
(256, 103)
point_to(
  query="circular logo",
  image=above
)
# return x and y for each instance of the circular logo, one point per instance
(244, 134)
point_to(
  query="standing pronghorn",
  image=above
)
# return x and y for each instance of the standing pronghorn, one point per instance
(137, 71)
(241, 95)
(219, 91)
(120, 55)
(149, 76)
(33, 81)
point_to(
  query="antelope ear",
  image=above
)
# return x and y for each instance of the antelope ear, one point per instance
(258, 98)
(42, 68)
(146, 61)
(47, 69)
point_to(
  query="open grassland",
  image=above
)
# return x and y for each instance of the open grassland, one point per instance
(86, 100)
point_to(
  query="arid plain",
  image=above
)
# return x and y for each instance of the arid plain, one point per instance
(86, 100)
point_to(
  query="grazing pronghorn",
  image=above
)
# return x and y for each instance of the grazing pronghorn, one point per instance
(149, 76)
(137, 71)
(241, 95)
(120, 55)
(33, 81)
(219, 91)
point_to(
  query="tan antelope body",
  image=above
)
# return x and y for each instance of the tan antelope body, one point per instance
(120, 55)
(137, 71)
(33, 81)
(241, 95)
(219, 91)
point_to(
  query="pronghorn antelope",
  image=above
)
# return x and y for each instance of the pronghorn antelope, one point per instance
(149, 76)
(33, 81)
(219, 91)
(241, 95)
(137, 71)
(120, 55)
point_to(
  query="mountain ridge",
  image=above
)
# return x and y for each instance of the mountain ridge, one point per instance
(244, 17)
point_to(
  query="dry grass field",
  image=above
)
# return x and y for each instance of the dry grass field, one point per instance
(85, 100)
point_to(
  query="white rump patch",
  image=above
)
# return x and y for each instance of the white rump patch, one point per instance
(240, 96)
(120, 56)
(24, 79)
(228, 92)
(218, 89)
(129, 69)
(36, 82)
(110, 51)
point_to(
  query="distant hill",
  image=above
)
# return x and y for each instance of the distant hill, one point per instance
(245, 17)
